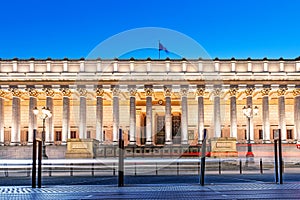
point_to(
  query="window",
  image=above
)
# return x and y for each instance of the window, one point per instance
(103, 135)
(260, 134)
(57, 135)
(73, 134)
(289, 134)
(245, 133)
(26, 136)
(191, 134)
(275, 133)
(88, 134)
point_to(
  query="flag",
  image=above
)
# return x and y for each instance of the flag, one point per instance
(162, 47)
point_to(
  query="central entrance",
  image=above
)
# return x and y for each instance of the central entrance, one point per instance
(159, 131)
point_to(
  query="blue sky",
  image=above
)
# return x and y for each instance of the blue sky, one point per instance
(225, 29)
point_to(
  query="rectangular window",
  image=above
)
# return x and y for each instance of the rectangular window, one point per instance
(191, 134)
(260, 134)
(26, 136)
(103, 135)
(58, 136)
(88, 134)
(275, 133)
(73, 134)
(245, 134)
(289, 134)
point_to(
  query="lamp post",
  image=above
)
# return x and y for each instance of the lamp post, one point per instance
(249, 112)
(46, 113)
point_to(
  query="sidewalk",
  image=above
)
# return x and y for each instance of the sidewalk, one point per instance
(156, 191)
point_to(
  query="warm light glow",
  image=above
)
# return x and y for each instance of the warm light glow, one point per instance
(35, 111)
(249, 112)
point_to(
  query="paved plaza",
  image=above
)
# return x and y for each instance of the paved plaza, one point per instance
(247, 186)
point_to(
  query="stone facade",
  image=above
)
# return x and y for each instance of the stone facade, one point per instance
(154, 102)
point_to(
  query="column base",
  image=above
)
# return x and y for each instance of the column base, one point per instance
(148, 143)
(132, 143)
(168, 142)
(185, 142)
(267, 142)
(14, 144)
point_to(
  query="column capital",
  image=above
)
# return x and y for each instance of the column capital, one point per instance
(15, 92)
(167, 91)
(32, 92)
(49, 92)
(217, 92)
(233, 91)
(184, 92)
(281, 91)
(296, 91)
(82, 92)
(2, 93)
(249, 90)
(99, 92)
(132, 91)
(66, 92)
(115, 91)
(149, 92)
(200, 91)
(265, 91)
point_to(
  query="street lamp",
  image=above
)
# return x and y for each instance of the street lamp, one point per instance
(249, 112)
(46, 113)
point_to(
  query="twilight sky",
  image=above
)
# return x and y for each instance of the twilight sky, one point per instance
(224, 28)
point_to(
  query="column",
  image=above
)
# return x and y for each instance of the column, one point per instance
(200, 93)
(33, 93)
(233, 117)
(49, 122)
(116, 120)
(99, 114)
(16, 116)
(66, 92)
(217, 111)
(82, 113)
(168, 115)
(265, 112)
(149, 92)
(132, 122)
(2, 95)
(184, 115)
(249, 91)
(296, 93)
(281, 112)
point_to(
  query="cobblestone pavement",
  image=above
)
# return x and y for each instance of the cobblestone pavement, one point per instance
(156, 191)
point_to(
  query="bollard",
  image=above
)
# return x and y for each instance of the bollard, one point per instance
(40, 164)
(156, 171)
(219, 166)
(34, 160)
(93, 169)
(71, 170)
(241, 167)
(50, 169)
(6, 171)
(114, 169)
(261, 166)
(28, 170)
(135, 169)
(177, 168)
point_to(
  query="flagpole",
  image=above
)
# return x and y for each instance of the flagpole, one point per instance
(158, 50)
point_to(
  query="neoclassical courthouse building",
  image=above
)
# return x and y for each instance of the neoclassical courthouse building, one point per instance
(154, 102)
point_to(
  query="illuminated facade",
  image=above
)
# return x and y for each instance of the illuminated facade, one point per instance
(155, 102)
